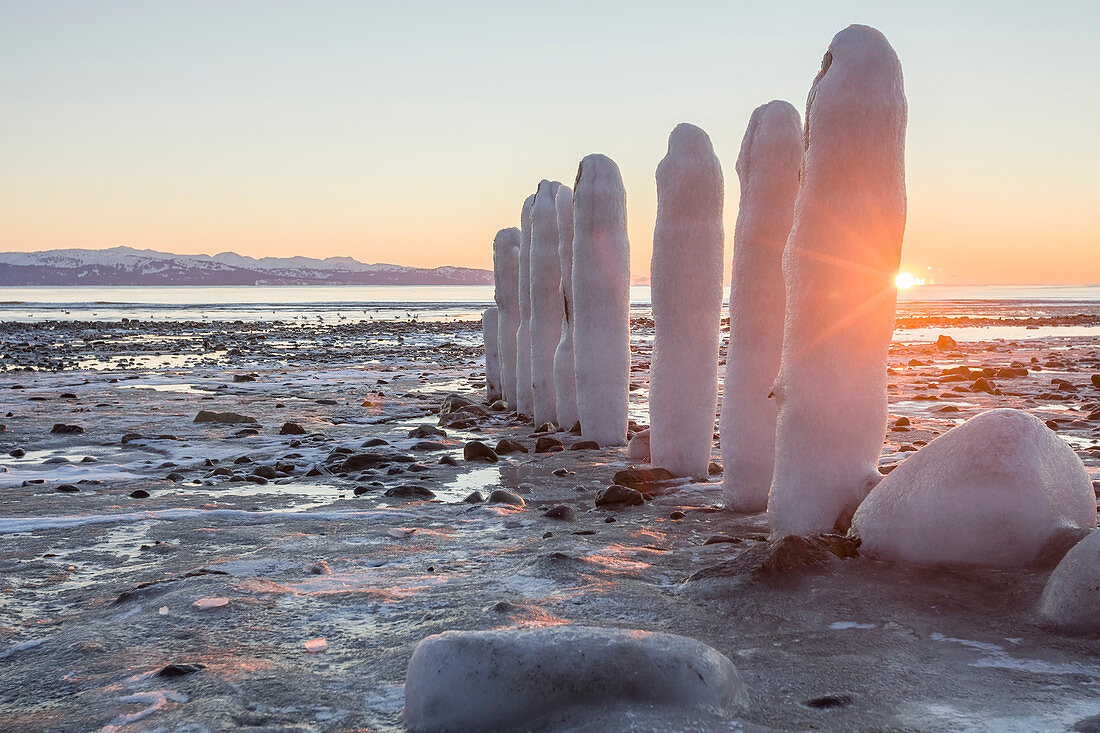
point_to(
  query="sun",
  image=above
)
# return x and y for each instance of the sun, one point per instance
(904, 281)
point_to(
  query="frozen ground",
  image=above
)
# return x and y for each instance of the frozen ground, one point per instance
(99, 590)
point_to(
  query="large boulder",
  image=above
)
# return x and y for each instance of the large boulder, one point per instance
(992, 491)
(533, 678)
(1071, 599)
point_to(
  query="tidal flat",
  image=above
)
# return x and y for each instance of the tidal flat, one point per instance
(158, 573)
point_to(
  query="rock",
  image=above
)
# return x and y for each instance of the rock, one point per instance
(360, 490)
(429, 445)
(676, 515)
(992, 491)
(266, 472)
(585, 445)
(180, 670)
(374, 443)
(714, 469)
(361, 461)
(474, 497)
(1071, 598)
(546, 444)
(902, 422)
(475, 450)
(292, 428)
(530, 678)
(228, 418)
(410, 491)
(448, 461)
(245, 377)
(499, 406)
(426, 431)
(500, 496)
(17, 453)
(1096, 380)
(507, 445)
(139, 494)
(453, 403)
(783, 556)
(67, 489)
(983, 385)
(63, 429)
(175, 476)
(326, 401)
(946, 343)
(638, 447)
(619, 496)
(645, 480)
(562, 512)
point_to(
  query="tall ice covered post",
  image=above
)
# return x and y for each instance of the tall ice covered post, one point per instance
(771, 154)
(839, 265)
(546, 304)
(492, 354)
(601, 294)
(506, 277)
(686, 280)
(565, 375)
(524, 395)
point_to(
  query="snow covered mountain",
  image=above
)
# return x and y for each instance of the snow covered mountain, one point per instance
(129, 266)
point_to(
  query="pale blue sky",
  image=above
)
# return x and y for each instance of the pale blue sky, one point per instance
(410, 132)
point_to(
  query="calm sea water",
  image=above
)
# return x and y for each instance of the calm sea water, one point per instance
(427, 302)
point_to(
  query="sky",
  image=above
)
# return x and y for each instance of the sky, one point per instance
(410, 132)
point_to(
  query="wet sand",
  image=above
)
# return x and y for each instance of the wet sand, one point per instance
(98, 589)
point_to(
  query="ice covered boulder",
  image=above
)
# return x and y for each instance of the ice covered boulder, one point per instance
(524, 394)
(601, 297)
(538, 678)
(565, 375)
(686, 277)
(506, 279)
(767, 166)
(992, 491)
(1071, 599)
(547, 310)
(492, 354)
(638, 447)
(839, 267)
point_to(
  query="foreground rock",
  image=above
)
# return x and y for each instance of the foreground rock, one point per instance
(1071, 598)
(645, 480)
(475, 450)
(227, 418)
(543, 677)
(992, 491)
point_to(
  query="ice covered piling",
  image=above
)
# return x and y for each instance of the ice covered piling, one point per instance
(489, 328)
(543, 677)
(524, 394)
(506, 277)
(992, 491)
(1071, 599)
(771, 154)
(839, 264)
(546, 304)
(686, 278)
(601, 296)
(565, 376)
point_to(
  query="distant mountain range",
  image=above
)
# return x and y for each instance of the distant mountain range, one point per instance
(129, 266)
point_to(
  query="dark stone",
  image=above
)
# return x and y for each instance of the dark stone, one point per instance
(375, 442)
(67, 489)
(644, 480)
(562, 472)
(17, 453)
(474, 497)
(546, 444)
(946, 342)
(67, 396)
(175, 476)
(265, 471)
(63, 429)
(562, 512)
(902, 422)
(139, 494)
(718, 539)
(576, 429)
(326, 401)
(253, 478)
(360, 490)
(475, 450)
(454, 403)
(546, 427)
(677, 515)
(243, 459)
(227, 418)
(507, 445)
(1096, 380)
(429, 445)
(448, 461)
(426, 431)
(619, 495)
(983, 385)
(784, 556)
(292, 428)
(500, 496)
(410, 491)
(180, 670)
(245, 377)
(360, 461)
(585, 445)
(830, 702)
(316, 470)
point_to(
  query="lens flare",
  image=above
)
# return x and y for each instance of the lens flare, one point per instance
(904, 281)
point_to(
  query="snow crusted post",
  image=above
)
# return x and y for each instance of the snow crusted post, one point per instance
(768, 164)
(546, 305)
(565, 376)
(601, 296)
(506, 277)
(524, 397)
(839, 265)
(492, 354)
(686, 277)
